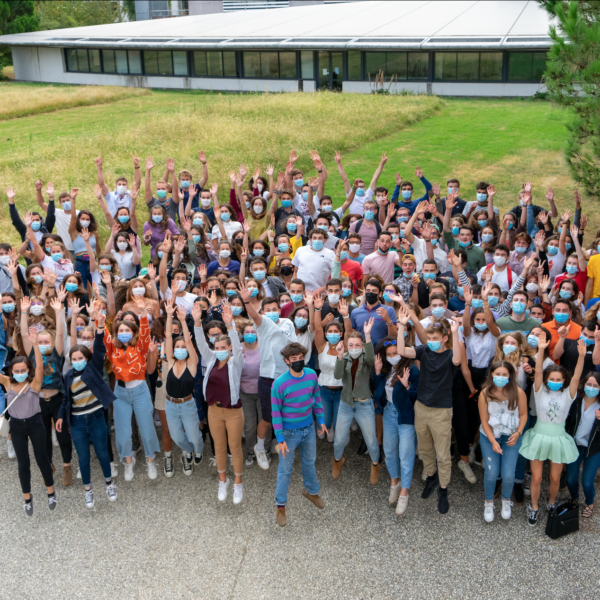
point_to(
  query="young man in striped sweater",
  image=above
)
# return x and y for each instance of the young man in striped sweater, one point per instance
(294, 399)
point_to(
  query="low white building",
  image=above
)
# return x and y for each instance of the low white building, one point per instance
(456, 48)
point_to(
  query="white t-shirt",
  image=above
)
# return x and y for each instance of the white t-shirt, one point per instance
(306, 339)
(186, 301)
(532, 408)
(441, 258)
(481, 348)
(63, 220)
(267, 290)
(555, 265)
(553, 407)
(301, 205)
(338, 215)
(61, 271)
(287, 327)
(500, 278)
(230, 228)
(125, 263)
(114, 202)
(356, 208)
(314, 268)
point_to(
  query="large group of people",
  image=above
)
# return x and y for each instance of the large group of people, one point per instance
(433, 327)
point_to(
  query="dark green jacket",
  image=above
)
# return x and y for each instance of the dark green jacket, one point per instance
(343, 371)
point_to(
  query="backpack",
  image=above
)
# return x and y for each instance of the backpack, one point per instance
(360, 222)
(509, 274)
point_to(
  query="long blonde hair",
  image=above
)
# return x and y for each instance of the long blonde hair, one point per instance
(514, 358)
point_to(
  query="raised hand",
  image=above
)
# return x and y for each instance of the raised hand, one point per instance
(384, 158)
(378, 364)
(38, 185)
(74, 305)
(181, 313)
(149, 164)
(33, 336)
(170, 306)
(581, 348)
(404, 379)
(202, 156)
(197, 312)
(369, 325)
(56, 305)
(186, 224)
(528, 186)
(491, 191)
(338, 157)
(343, 308)
(398, 179)
(563, 331)
(202, 272)
(98, 160)
(468, 294)
(419, 173)
(170, 165)
(318, 301)
(542, 342)
(136, 160)
(50, 189)
(243, 170)
(226, 312)
(85, 234)
(435, 188)
(10, 194)
(25, 304)
(270, 170)
(100, 319)
(61, 293)
(550, 194)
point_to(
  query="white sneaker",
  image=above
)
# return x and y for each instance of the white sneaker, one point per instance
(151, 467)
(54, 438)
(467, 471)
(331, 435)
(129, 469)
(223, 485)
(238, 493)
(395, 493)
(321, 436)
(89, 497)
(488, 512)
(261, 458)
(111, 492)
(506, 509)
(11, 450)
(354, 426)
(114, 471)
(402, 504)
(472, 454)
(78, 473)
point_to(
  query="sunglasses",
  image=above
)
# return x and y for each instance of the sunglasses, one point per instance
(391, 343)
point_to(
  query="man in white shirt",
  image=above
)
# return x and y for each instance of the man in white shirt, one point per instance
(271, 309)
(183, 299)
(121, 197)
(360, 197)
(62, 215)
(501, 272)
(313, 263)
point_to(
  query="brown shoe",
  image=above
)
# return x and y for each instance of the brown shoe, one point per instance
(280, 516)
(337, 467)
(315, 499)
(67, 477)
(374, 474)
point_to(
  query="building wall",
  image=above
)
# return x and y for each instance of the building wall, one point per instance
(205, 7)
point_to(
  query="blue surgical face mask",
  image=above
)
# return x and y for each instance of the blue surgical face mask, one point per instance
(304, 195)
(317, 244)
(157, 218)
(259, 275)
(333, 338)
(326, 207)
(225, 216)
(249, 338)
(123, 219)
(428, 276)
(460, 290)
(591, 392)
(20, 377)
(254, 292)
(402, 219)
(434, 346)
(196, 239)
(258, 252)
(500, 381)
(561, 317)
(231, 292)
(509, 349)
(532, 340)
(572, 269)
(160, 254)
(8, 308)
(369, 215)
(286, 203)
(518, 307)
(185, 184)
(45, 349)
(236, 311)
(552, 250)
(35, 225)
(198, 222)
(299, 182)
(438, 312)
(568, 246)
(434, 242)
(510, 225)
(493, 300)
(292, 226)
(296, 298)
(465, 244)
(180, 353)
(386, 297)
(67, 206)
(323, 228)
(477, 303)
(406, 194)
(161, 194)
(346, 292)
(39, 278)
(222, 354)
(482, 223)
(360, 192)
(274, 316)
(564, 294)
(480, 326)
(455, 231)
(343, 255)
(555, 386)
(481, 197)
(56, 256)
(124, 337)
(71, 287)
(300, 322)
(451, 190)
(588, 341)
(486, 238)
(521, 249)
(79, 365)
(211, 340)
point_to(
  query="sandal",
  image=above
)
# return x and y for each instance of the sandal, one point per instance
(587, 511)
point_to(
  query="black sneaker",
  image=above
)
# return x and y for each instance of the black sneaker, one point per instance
(197, 459)
(168, 470)
(498, 488)
(443, 505)
(188, 467)
(52, 502)
(430, 484)
(532, 516)
(518, 493)
(250, 459)
(362, 449)
(28, 506)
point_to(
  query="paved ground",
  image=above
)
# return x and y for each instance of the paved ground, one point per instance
(172, 539)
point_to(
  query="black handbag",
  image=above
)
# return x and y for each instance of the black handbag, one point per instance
(563, 519)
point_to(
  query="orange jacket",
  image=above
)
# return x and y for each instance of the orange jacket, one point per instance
(129, 364)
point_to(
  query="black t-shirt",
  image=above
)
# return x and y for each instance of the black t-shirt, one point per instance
(423, 290)
(517, 211)
(571, 355)
(337, 316)
(437, 375)
(281, 217)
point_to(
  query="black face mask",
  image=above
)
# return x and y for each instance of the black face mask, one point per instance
(297, 365)
(204, 313)
(287, 270)
(371, 298)
(175, 335)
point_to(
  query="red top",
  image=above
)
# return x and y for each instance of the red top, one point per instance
(217, 387)
(580, 279)
(352, 269)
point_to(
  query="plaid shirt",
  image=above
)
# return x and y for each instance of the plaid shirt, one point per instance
(405, 287)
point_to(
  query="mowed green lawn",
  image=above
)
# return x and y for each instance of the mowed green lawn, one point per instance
(504, 142)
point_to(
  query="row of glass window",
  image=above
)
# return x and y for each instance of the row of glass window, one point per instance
(448, 66)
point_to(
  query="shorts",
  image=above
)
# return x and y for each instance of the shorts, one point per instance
(264, 393)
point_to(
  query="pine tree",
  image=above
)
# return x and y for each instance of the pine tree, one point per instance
(573, 81)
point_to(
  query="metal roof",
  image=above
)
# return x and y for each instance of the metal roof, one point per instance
(425, 24)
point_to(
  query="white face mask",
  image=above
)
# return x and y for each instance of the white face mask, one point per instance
(85, 224)
(138, 291)
(394, 360)
(122, 245)
(258, 208)
(4, 260)
(259, 185)
(121, 190)
(500, 261)
(89, 344)
(182, 285)
(224, 254)
(333, 298)
(205, 202)
(532, 287)
(354, 248)
(355, 352)
(36, 310)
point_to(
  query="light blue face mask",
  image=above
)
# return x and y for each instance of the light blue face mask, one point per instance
(125, 337)
(160, 254)
(236, 311)
(588, 341)
(259, 275)
(39, 278)
(283, 247)
(254, 292)
(326, 207)
(434, 242)
(518, 307)
(465, 244)
(480, 326)
(521, 249)
(79, 365)
(360, 192)
(198, 222)
(509, 349)
(304, 195)
(346, 292)
(438, 312)
(211, 340)
(161, 194)
(185, 184)
(299, 182)
(8, 308)
(317, 245)
(477, 303)
(157, 218)
(486, 238)
(249, 338)
(552, 250)
(196, 239)
(481, 197)
(323, 228)
(36, 225)
(71, 287)
(510, 225)
(286, 203)
(434, 346)
(460, 290)
(258, 252)
(296, 298)
(451, 190)
(56, 256)
(20, 377)
(591, 392)
(123, 219)
(500, 381)
(402, 219)
(225, 216)
(369, 215)
(482, 223)
(493, 300)
(564, 294)
(406, 194)
(555, 386)
(429, 276)
(455, 231)
(561, 317)
(222, 354)
(66, 206)
(343, 255)
(231, 292)
(274, 316)
(300, 322)
(292, 226)
(532, 340)
(333, 338)
(386, 297)
(572, 269)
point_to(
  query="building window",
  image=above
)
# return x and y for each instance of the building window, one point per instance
(214, 64)
(158, 62)
(80, 61)
(270, 65)
(307, 64)
(526, 66)
(403, 65)
(468, 66)
(135, 62)
(354, 65)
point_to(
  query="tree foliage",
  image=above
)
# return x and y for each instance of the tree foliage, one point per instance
(573, 81)
(17, 16)
(63, 14)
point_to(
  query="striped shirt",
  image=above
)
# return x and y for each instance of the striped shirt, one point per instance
(84, 401)
(293, 401)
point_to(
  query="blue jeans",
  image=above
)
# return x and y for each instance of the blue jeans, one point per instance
(330, 399)
(522, 462)
(86, 428)
(83, 267)
(136, 400)
(364, 413)
(591, 465)
(400, 445)
(184, 426)
(306, 440)
(494, 464)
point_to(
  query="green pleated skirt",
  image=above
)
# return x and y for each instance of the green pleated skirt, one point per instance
(549, 441)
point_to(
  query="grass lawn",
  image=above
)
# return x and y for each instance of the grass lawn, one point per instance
(505, 142)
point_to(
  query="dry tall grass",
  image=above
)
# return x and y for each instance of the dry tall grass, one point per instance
(20, 101)
(251, 129)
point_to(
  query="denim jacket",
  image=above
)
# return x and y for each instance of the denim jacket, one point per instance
(404, 400)
(92, 377)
